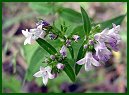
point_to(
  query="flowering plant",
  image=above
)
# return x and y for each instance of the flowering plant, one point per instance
(95, 48)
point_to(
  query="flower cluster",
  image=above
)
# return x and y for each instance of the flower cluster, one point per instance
(43, 29)
(38, 32)
(98, 46)
(103, 43)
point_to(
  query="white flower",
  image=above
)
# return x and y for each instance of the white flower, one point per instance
(45, 73)
(88, 61)
(32, 35)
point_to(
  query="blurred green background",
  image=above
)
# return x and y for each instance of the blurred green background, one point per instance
(17, 58)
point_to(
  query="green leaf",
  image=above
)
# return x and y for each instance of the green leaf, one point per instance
(70, 15)
(45, 45)
(108, 24)
(35, 62)
(28, 51)
(38, 57)
(86, 21)
(71, 51)
(78, 30)
(42, 8)
(69, 71)
(79, 56)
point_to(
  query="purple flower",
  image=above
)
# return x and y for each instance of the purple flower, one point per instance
(42, 24)
(52, 36)
(110, 37)
(76, 38)
(115, 29)
(52, 57)
(68, 42)
(60, 66)
(114, 38)
(91, 42)
(100, 37)
(102, 52)
(63, 51)
(89, 61)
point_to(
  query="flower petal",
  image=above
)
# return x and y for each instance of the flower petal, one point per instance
(88, 66)
(28, 41)
(42, 34)
(45, 79)
(95, 62)
(104, 32)
(50, 76)
(42, 69)
(48, 69)
(25, 33)
(81, 61)
(38, 74)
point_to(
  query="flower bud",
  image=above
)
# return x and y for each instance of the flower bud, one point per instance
(60, 66)
(91, 42)
(53, 36)
(46, 60)
(43, 23)
(68, 42)
(76, 38)
(63, 51)
(52, 57)
(85, 46)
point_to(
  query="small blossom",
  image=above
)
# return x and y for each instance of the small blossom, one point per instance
(52, 36)
(63, 51)
(52, 57)
(68, 42)
(60, 66)
(41, 24)
(110, 37)
(32, 35)
(88, 61)
(91, 42)
(114, 38)
(45, 73)
(85, 46)
(76, 38)
(102, 52)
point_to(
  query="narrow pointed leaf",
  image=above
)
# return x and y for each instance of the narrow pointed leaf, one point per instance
(71, 51)
(45, 45)
(108, 24)
(69, 71)
(86, 21)
(80, 55)
(70, 15)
